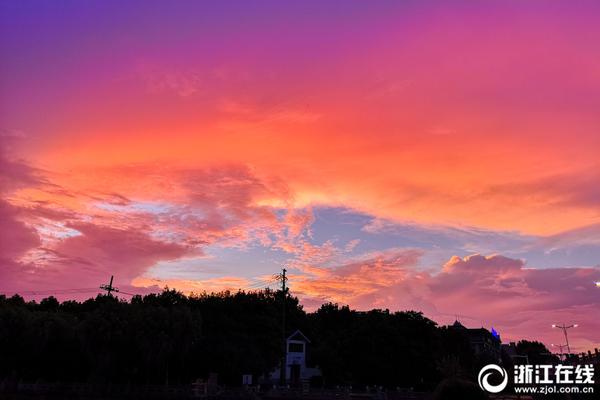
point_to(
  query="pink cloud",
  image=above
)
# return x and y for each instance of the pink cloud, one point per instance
(126, 253)
(16, 173)
(575, 188)
(485, 291)
(80, 261)
(79, 237)
(96, 250)
(15, 237)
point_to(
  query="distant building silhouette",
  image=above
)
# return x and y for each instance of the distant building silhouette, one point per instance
(482, 342)
(510, 350)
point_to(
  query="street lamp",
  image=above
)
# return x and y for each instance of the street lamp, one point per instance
(564, 329)
(560, 347)
(598, 284)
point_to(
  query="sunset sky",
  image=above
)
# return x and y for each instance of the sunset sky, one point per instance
(436, 156)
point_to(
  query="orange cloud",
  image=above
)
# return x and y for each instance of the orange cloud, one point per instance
(215, 285)
(461, 179)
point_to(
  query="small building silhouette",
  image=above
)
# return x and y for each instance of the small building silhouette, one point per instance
(296, 369)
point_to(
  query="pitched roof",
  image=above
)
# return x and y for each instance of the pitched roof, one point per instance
(457, 324)
(298, 335)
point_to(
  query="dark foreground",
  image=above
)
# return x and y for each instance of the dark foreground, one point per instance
(449, 389)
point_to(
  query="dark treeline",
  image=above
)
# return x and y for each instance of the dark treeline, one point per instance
(172, 338)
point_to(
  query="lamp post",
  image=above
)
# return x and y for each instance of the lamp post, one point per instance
(564, 329)
(560, 347)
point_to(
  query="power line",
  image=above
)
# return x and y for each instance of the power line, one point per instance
(47, 292)
(109, 288)
(129, 294)
(261, 283)
(257, 286)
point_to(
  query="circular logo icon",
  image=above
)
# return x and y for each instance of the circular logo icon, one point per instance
(484, 375)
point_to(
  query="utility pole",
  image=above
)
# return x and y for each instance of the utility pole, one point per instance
(282, 373)
(564, 329)
(109, 288)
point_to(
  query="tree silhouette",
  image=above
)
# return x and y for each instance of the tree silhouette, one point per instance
(170, 338)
